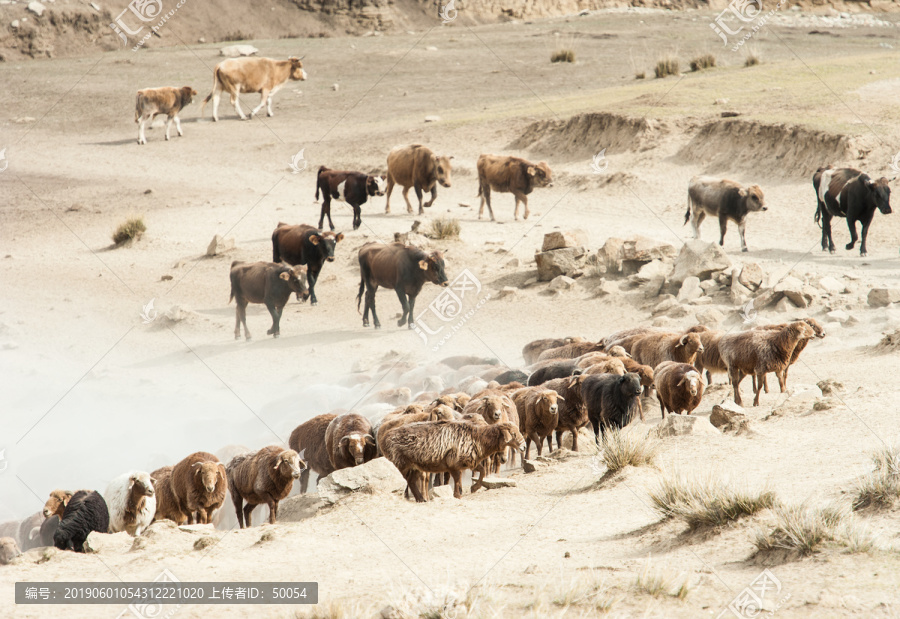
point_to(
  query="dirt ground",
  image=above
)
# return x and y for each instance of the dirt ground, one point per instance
(91, 390)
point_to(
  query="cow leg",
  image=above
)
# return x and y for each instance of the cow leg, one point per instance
(141, 137)
(723, 226)
(357, 216)
(736, 379)
(168, 126)
(236, 99)
(387, 194)
(405, 305)
(276, 320)
(486, 199)
(419, 196)
(269, 111)
(241, 318)
(412, 309)
(263, 95)
(863, 235)
(178, 126)
(370, 302)
(851, 223)
(742, 226)
(827, 241)
(406, 197)
(696, 219)
(457, 484)
(524, 199)
(312, 276)
(430, 202)
(217, 95)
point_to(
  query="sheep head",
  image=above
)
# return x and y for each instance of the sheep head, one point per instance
(691, 380)
(289, 464)
(803, 330)
(816, 325)
(143, 483)
(442, 413)
(491, 408)
(691, 343)
(618, 351)
(207, 473)
(630, 385)
(56, 504)
(353, 446)
(548, 400)
(511, 436)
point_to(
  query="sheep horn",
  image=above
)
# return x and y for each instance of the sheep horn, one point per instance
(302, 451)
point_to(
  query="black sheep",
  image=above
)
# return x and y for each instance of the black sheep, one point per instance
(611, 400)
(559, 369)
(48, 530)
(511, 376)
(86, 512)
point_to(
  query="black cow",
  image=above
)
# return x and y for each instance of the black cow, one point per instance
(849, 193)
(403, 268)
(304, 244)
(354, 188)
(264, 282)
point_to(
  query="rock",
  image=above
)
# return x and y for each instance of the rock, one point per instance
(506, 291)
(530, 466)
(671, 308)
(729, 417)
(561, 239)
(562, 282)
(711, 317)
(879, 297)
(751, 276)
(699, 259)
(831, 285)
(785, 305)
(432, 118)
(492, 483)
(643, 249)
(238, 50)
(37, 8)
(512, 263)
(299, 507)
(839, 316)
(178, 313)
(792, 288)
(14, 24)
(220, 245)
(96, 7)
(98, 542)
(197, 529)
(612, 254)
(652, 272)
(9, 550)
(335, 87)
(708, 285)
(690, 289)
(683, 425)
(606, 287)
(165, 278)
(207, 541)
(377, 476)
(824, 404)
(829, 386)
(558, 262)
(431, 48)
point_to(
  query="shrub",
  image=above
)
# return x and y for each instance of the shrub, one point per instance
(640, 76)
(803, 530)
(130, 230)
(563, 55)
(751, 60)
(444, 228)
(623, 448)
(881, 487)
(657, 582)
(667, 65)
(706, 501)
(706, 61)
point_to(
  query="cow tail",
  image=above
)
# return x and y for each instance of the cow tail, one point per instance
(687, 215)
(818, 218)
(137, 108)
(317, 180)
(362, 288)
(209, 96)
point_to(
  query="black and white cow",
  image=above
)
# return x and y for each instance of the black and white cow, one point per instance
(354, 188)
(723, 199)
(845, 192)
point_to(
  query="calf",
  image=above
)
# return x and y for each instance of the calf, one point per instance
(404, 269)
(354, 188)
(510, 175)
(304, 244)
(416, 166)
(264, 282)
(263, 75)
(166, 100)
(849, 193)
(723, 199)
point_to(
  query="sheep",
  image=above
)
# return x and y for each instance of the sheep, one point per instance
(85, 513)
(709, 358)
(131, 501)
(457, 402)
(571, 351)
(610, 365)
(538, 410)
(309, 439)
(679, 387)
(437, 413)
(628, 337)
(224, 519)
(460, 361)
(395, 397)
(757, 352)
(611, 400)
(572, 415)
(192, 491)
(446, 447)
(9, 550)
(166, 502)
(587, 360)
(48, 530)
(654, 349)
(618, 351)
(511, 376)
(265, 476)
(349, 441)
(472, 385)
(645, 372)
(56, 504)
(558, 369)
(490, 406)
(801, 345)
(532, 350)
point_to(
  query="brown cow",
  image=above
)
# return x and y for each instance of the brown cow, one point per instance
(263, 75)
(723, 199)
(264, 282)
(166, 100)
(416, 166)
(510, 175)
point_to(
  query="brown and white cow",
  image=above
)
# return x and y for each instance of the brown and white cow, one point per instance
(723, 199)
(416, 166)
(510, 175)
(166, 100)
(263, 75)
(849, 193)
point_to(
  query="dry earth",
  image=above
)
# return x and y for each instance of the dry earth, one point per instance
(90, 391)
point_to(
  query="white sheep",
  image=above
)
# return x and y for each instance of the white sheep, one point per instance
(131, 501)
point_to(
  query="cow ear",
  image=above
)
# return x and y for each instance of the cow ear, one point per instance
(530, 170)
(423, 264)
(284, 275)
(314, 239)
(339, 237)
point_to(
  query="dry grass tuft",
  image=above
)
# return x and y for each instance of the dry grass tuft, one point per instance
(804, 530)
(881, 487)
(658, 581)
(623, 448)
(640, 76)
(705, 61)
(444, 228)
(706, 501)
(751, 60)
(130, 230)
(563, 55)
(448, 602)
(667, 65)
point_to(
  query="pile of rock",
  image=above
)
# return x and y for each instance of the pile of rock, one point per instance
(562, 253)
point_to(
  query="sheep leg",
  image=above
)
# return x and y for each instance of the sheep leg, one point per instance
(273, 511)
(538, 442)
(457, 483)
(596, 425)
(413, 479)
(758, 390)
(247, 509)
(782, 380)
(238, 503)
(528, 440)
(304, 480)
(550, 442)
(661, 405)
(736, 378)
(202, 516)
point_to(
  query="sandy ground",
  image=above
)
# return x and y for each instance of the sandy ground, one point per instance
(90, 391)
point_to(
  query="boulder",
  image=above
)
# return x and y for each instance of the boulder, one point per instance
(671, 308)
(606, 287)
(530, 466)
(561, 282)
(611, 254)
(699, 259)
(378, 476)
(643, 249)
(558, 262)
(708, 285)
(831, 285)
(683, 425)
(690, 289)
(232, 51)
(879, 297)
(829, 386)
(785, 305)
(729, 417)
(9, 550)
(792, 288)
(654, 271)
(492, 483)
(561, 239)
(711, 318)
(751, 276)
(220, 245)
(299, 507)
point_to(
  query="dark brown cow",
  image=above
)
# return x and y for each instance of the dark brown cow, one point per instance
(416, 166)
(264, 282)
(354, 188)
(510, 175)
(723, 199)
(849, 193)
(304, 244)
(402, 268)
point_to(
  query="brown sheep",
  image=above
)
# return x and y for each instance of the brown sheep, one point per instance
(759, 351)
(654, 349)
(438, 413)
(538, 410)
(496, 406)
(801, 345)
(571, 351)
(532, 350)
(679, 387)
(265, 476)
(193, 490)
(349, 441)
(309, 439)
(447, 447)
(610, 365)
(572, 415)
(709, 358)
(628, 337)
(56, 504)
(644, 372)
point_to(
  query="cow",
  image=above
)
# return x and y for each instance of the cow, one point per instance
(166, 100)
(403, 268)
(263, 75)
(849, 193)
(354, 188)
(509, 175)
(264, 282)
(725, 199)
(306, 245)
(416, 166)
